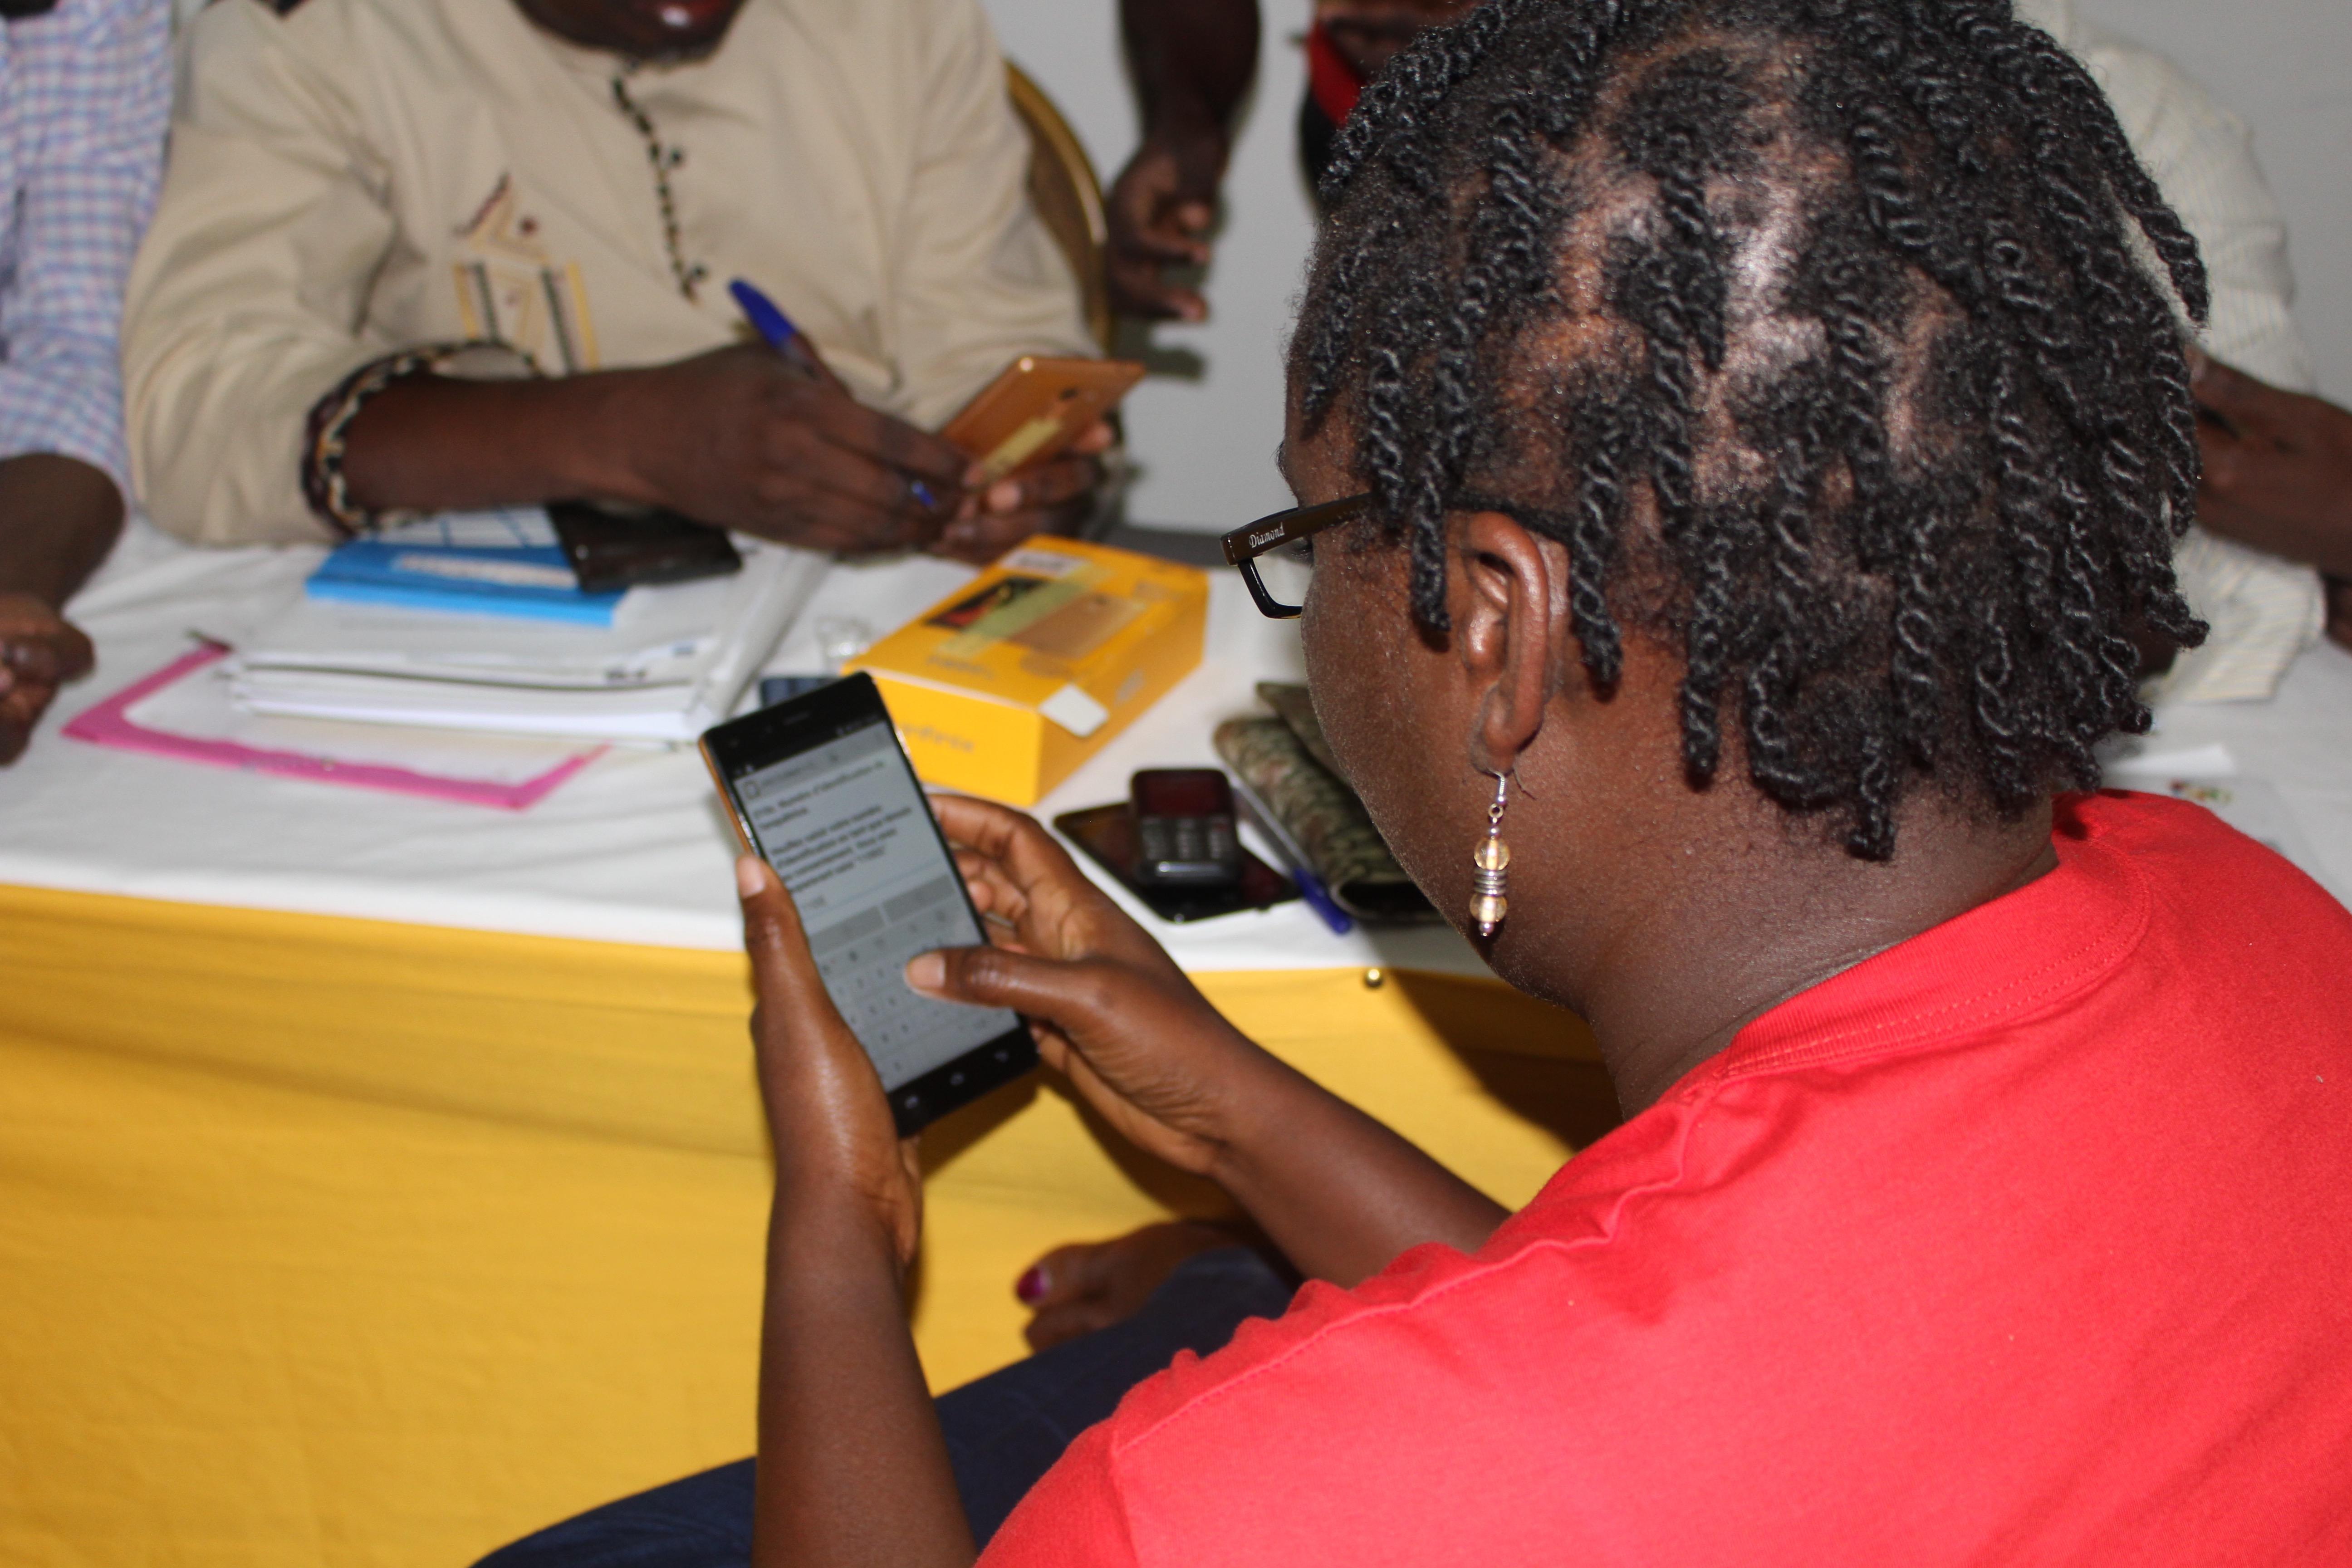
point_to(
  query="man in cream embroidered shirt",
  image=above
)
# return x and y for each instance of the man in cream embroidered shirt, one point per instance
(360, 188)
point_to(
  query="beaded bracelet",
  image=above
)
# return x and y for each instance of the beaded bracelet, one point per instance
(329, 419)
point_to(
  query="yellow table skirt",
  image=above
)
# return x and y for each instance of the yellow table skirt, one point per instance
(331, 1241)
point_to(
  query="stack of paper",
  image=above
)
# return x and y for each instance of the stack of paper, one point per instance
(669, 666)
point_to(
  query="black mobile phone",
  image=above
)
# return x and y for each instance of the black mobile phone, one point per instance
(611, 547)
(820, 788)
(1106, 834)
(1184, 828)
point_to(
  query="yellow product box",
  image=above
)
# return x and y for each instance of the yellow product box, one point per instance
(1004, 686)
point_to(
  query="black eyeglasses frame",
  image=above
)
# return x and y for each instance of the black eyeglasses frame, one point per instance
(1243, 545)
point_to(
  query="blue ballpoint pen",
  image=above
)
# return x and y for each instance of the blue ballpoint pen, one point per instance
(1318, 899)
(1311, 889)
(776, 331)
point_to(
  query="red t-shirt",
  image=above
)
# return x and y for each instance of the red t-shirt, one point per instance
(2026, 1241)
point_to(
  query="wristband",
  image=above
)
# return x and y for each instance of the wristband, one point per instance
(330, 420)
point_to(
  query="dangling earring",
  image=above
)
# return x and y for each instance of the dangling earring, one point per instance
(1490, 862)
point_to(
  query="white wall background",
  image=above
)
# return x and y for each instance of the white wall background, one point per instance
(1206, 444)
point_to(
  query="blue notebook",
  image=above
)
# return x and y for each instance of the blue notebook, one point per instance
(501, 563)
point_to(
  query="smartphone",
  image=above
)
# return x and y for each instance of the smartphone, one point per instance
(1106, 835)
(820, 788)
(1184, 828)
(1037, 408)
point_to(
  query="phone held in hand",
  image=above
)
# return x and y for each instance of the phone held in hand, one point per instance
(819, 787)
(1035, 408)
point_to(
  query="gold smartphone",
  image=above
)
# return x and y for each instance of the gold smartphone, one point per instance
(1037, 408)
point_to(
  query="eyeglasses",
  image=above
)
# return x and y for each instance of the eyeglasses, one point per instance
(1286, 533)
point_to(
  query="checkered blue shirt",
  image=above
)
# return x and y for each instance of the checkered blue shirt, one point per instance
(85, 93)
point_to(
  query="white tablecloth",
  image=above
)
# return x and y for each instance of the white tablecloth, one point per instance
(634, 850)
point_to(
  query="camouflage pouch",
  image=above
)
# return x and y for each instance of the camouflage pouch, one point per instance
(1318, 817)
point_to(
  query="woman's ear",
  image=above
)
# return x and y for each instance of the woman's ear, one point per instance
(1509, 614)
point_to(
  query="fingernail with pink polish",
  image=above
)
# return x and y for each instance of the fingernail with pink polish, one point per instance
(1031, 1287)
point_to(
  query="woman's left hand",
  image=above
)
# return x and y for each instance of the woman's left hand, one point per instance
(838, 1150)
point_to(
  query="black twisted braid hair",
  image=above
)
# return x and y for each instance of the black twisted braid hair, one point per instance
(1838, 342)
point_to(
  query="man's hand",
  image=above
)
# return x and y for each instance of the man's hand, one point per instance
(741, 436)
(2278, 468)
(744, 438)
(58, 517)
(1191, 60)
(838, 1150)
(1055, 496)
(39, 651)
(1160, 210)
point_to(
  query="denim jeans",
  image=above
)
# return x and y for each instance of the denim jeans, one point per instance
(1003, 1431)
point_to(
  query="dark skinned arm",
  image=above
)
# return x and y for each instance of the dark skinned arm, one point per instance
(58, 517)
(738, 437)
(1337, 1191)
(1193, 61)
(851, 1468)
(741, 438)
(2278, 468)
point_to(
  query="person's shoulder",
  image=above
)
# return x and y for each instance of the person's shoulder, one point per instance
(2153, 95)
(2201, 868)
(1419, 1330)
(860, 23)
(248, 26)
(346, 52)
(312, 19)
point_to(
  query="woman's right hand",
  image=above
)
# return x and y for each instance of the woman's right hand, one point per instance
(1109, 1007)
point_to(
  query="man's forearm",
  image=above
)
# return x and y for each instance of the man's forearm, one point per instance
(1192, 60)
(1337, 1191)
(438, 443)
(58, 517)
(2317, 536)
(852, 1464)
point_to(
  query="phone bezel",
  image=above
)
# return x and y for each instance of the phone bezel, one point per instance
(787, 730)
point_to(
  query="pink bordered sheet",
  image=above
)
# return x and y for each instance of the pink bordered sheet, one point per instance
(183, 712)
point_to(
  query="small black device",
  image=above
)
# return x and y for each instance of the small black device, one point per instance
(1106, 834)
(1184, 834)
(775, 688)
(820, 788)
(611, 548)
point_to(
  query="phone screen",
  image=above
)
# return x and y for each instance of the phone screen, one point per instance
(830, 802)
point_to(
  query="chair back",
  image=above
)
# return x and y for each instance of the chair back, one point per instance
(1067, 197)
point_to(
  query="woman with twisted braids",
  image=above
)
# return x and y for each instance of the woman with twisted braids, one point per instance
(1740, 442)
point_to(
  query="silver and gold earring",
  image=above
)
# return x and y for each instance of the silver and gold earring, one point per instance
(1490, 866)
